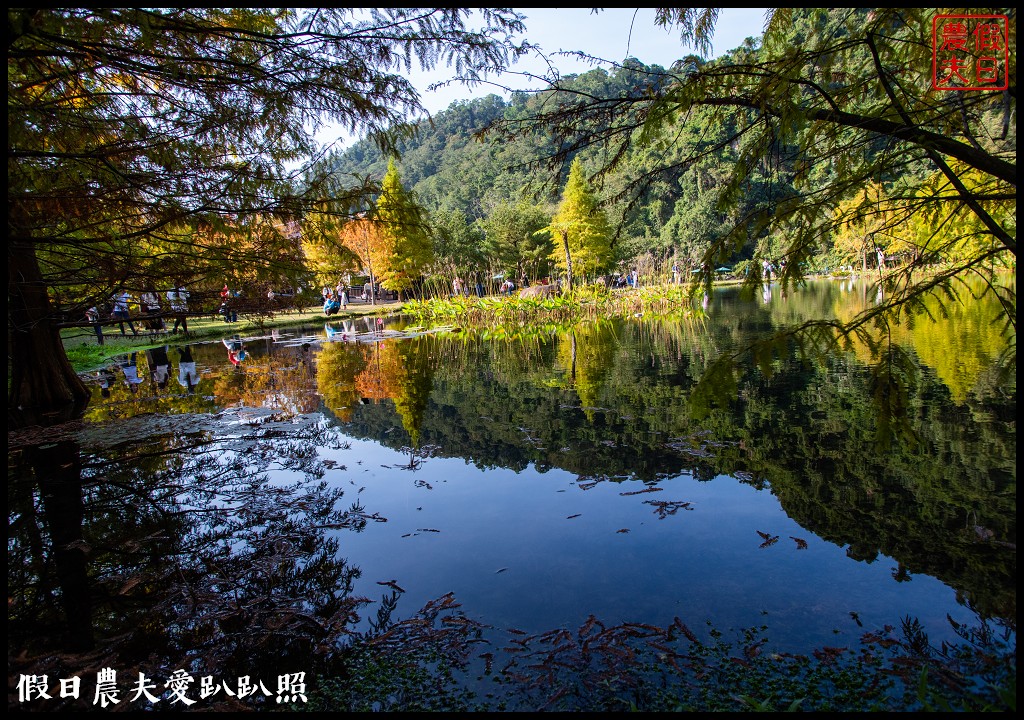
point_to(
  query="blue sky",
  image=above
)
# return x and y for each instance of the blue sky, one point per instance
(612, 34)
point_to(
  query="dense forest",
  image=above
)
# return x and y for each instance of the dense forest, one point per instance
(487, 198)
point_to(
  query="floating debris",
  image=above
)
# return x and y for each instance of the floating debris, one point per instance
(641, 492)
(664, 508)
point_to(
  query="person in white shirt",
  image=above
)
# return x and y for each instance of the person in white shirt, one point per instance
(130, 368)
(120, 313)
(188, 376)
(178, 298)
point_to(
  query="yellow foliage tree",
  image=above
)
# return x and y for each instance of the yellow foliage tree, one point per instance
(580, 231)
(862, 223)
(327, 250)
(401, 221)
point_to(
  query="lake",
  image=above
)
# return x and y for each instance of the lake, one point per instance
(536, 480)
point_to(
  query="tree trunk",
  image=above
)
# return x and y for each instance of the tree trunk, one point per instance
(44, 388)
(568, 261)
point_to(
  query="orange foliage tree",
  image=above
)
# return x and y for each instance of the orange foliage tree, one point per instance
(373, 247)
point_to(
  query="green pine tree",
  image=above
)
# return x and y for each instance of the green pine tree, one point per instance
(399, 217)
(580, 230)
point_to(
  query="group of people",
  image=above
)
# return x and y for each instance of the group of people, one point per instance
(507, 287)
(632, 279)
(335, 299)
(159, 367)
(348, 329)
(159, 371)
(459, 289)
(150, 309)
(226, 310)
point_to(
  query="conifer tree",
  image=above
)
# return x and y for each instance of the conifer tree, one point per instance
(512, 238)
(458, 245)
(402, 223)
(580, 230)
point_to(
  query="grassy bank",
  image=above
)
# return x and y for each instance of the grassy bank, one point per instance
(86, 354)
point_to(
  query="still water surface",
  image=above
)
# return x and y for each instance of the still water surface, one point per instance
(568, 473)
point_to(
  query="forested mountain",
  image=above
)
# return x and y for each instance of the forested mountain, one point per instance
(805, 150)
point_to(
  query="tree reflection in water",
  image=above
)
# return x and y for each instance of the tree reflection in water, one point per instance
(181, 551)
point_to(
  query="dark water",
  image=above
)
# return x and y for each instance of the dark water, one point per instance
(540, 476)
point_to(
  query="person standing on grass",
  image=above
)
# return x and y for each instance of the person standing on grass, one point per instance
(227, 312)
(121, 314)
(93, 316)
(150, 304)
(178, 297)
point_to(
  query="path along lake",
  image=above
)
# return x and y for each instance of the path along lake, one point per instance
(537, 479)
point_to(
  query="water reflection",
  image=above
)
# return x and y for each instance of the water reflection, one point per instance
(170, 542)
(539, 480)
